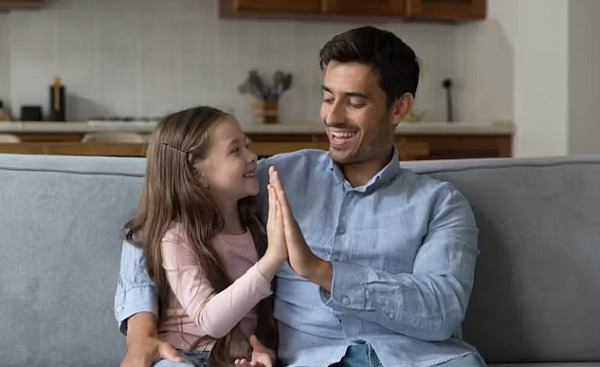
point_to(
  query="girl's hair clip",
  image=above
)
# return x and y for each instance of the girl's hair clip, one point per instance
(172, 147)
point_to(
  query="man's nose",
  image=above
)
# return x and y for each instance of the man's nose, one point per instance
(336, 113)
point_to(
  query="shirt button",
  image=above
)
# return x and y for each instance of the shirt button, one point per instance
(119, 309)
(391, 316)
(346, 301)
(341, 230)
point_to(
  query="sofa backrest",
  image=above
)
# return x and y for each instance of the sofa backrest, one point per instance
(60, 248)
(537, 288)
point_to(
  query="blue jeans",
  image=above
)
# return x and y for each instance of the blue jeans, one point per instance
(192, 359)
(363, 355)
(359, 355)
(470, 360)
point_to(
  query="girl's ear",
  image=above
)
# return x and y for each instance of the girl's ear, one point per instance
(200, 176)
(202, 179)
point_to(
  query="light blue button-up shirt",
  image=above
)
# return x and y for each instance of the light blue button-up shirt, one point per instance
(403, 249)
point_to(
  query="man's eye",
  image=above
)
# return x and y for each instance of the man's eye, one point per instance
(356, 103)
(328, 100)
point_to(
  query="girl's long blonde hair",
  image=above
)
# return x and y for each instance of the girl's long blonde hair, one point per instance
(173, 193)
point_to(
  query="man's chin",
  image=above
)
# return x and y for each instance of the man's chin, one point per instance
(340, 157)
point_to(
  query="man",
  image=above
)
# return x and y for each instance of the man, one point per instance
(381, 260)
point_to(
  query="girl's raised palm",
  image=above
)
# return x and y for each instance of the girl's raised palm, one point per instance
(275, 231)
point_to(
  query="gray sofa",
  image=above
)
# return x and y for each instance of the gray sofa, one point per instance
(537, 289)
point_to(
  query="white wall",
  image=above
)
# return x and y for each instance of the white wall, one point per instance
(484, 79)
(534, 34)
(541, 77)
(4, 60)
(584, 77)
(149, 57)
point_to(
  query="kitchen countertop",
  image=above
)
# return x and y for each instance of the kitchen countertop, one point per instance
(405, 128)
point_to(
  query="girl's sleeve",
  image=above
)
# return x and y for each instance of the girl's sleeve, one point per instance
(214, 313)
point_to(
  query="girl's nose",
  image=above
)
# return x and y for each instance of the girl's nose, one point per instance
(252, 157)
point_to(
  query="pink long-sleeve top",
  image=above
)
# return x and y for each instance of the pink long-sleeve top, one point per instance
(196, 310)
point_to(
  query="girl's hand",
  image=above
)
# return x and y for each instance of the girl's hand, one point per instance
(276, 252)
(301, 258)
(260, 356)
(275, 231)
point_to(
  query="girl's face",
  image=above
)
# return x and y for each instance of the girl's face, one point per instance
(229, 169)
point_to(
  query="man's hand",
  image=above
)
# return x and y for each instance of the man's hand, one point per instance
(148, 351)
(143, 346)
(260, 356)
(301, 258)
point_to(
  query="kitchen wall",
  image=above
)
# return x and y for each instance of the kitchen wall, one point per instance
(518, 62)
(484, 71)
(4, 59)
(584, 77)
(553, 71)
(148, 57)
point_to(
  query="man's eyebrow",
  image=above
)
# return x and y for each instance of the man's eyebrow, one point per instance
(356, 94)
(347, 94)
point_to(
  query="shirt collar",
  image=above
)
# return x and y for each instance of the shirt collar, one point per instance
(389, 172)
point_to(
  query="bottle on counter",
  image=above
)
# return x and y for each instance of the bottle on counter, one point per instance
(4, 115)
(57, 101)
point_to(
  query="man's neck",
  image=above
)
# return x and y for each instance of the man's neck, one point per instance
(360, 173)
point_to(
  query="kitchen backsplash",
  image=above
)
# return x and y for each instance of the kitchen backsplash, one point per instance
(149, 57)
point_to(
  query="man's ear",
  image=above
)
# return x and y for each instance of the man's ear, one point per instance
(401, 107)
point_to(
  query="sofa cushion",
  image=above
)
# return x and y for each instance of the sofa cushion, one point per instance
(60, 247)
(536, 295)
(537, 287)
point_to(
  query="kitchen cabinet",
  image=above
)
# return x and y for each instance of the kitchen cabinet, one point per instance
(415, 141)
(365, 7)
(410, 147)
(19, 4)
(356, 9)
(446, 9)
(278, 6)
(76, 148)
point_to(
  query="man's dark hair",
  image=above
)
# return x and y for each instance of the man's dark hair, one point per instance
(383, 51)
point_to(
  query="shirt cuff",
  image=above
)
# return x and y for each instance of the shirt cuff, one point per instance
(133, 301)
(348, 287)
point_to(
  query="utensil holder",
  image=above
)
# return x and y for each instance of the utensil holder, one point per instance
(266, 111)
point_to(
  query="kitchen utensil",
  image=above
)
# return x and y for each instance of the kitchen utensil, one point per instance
(31, 113)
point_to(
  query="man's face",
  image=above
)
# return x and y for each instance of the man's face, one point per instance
(353, 108)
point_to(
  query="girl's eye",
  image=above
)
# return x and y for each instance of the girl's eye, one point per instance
(235, 150)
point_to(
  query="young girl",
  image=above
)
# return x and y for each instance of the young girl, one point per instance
(201, 241)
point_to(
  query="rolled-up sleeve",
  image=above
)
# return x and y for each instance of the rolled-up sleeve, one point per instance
(136, 292)
(429, 303)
